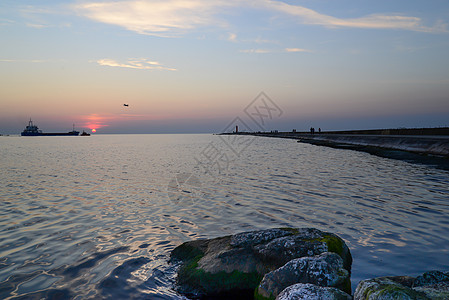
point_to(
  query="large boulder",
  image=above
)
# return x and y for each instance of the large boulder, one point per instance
(301, 291)
(322, 270)
(234, 265)
(430, 285)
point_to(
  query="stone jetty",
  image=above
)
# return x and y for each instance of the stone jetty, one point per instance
(417, 141)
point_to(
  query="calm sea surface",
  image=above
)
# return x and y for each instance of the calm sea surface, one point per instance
(97, 217)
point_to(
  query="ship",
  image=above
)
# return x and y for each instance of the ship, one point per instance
(33, 130)
(85, 134)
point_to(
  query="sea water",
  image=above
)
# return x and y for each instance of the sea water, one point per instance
(97, 217)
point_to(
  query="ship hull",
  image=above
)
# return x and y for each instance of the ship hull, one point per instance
(72, 133)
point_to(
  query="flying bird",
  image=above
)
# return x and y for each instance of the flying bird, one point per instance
(126, 105)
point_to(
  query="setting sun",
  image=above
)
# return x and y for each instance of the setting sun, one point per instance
(94, 130)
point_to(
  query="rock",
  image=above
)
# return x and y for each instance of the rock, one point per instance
(236, 264)
(302, 291)
(431, 277)
(430, 285)
(386, 288)
(434, 284)
(304, 242)
(437, 291)
(324, 270)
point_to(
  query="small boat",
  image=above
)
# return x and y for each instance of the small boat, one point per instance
(33, 130)
(85, 134)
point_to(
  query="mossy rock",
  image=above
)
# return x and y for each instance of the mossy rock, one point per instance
(386, 288)
(196, 282)
(235, 265)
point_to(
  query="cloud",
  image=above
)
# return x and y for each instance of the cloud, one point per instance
(24, 60)
(296, 50)
(256, 51)
(96, 121)
(102, 120)
(37, 16)
(264, 51)
(260, 40)
(171, 18)
(160, 17)
(232, 37)
(141, 64)
(6, 22)
(373, 21)
(37, 26)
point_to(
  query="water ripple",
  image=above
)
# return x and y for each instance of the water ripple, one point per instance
(91, 218)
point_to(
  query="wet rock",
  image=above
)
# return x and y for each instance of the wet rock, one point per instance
(324, 270)
(304, 242)
(434, 284)
(235, 265)
(386, 288)
(302, 291)
(430, 285)
(431, 277)
(437, 291)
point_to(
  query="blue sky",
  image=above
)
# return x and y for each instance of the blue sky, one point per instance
(193, 66)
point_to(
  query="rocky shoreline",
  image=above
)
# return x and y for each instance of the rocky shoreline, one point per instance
(287, 263)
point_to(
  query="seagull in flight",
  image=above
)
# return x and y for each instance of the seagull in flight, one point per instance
(126, 105)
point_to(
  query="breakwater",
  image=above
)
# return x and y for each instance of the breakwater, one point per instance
(421, 144)
(435, 145)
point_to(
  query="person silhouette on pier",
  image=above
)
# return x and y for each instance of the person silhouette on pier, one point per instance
(312, 130)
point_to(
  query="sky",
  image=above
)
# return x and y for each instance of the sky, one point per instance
(191, 66)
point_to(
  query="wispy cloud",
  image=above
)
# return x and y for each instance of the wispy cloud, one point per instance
(140, 63)
(6, 22)
(37, 26)
(24, 60)
(169, 18)
(374, 21)
(260, 40)
(160, 17)
(296, 50)
(96, 121)
(264, 51)
(101, 120)
(38, 17)
(232, 37)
